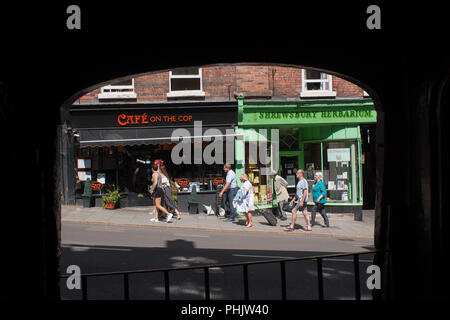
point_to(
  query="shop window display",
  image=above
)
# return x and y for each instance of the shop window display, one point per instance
(262, 183)
(338, 163)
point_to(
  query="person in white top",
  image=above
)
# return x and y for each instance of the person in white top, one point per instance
(245, 199)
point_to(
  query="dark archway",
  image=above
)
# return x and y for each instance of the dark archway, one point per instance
(409, 81)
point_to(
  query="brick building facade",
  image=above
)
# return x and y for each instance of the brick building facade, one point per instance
(316, 114)
(226, 82)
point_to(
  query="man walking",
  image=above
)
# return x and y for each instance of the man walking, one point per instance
(231, 189)
(281, 191)
(302, 196)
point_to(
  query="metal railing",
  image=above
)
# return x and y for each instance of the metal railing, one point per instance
(206, 268)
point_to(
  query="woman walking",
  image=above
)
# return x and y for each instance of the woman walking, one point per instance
(245, 200)
(167, 199)
(157, 192)
(319, 194)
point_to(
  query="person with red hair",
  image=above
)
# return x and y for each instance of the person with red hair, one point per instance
(158, 193)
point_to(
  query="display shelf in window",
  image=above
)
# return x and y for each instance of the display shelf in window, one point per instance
(262, 185)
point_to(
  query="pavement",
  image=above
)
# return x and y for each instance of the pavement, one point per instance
(342, 226)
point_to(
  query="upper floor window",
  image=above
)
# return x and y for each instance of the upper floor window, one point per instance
(316, 84)
(185, 82)
(123, 89)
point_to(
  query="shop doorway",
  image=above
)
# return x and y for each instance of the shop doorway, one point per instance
(289, 165)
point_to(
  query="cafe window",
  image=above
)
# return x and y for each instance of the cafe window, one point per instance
(185, 82)
(316, 84)
(206, 177)
(123, 89)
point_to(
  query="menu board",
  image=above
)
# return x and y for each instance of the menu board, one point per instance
(338, 154)
(84, 163)
(84, 175)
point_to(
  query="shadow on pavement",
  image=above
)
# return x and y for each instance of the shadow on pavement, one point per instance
(225, 282)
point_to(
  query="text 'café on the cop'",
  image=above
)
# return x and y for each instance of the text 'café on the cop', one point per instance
(115, 144)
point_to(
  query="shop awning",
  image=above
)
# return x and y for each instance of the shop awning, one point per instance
(140, 136)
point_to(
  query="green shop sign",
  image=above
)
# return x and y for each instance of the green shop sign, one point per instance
(269, 115)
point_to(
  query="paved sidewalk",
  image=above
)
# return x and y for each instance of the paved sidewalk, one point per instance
(341, 225)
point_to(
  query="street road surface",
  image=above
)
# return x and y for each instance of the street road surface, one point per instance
(107, 248)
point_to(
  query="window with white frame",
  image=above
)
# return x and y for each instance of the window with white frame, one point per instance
(316, 84)
(185, 82)
(123, 89)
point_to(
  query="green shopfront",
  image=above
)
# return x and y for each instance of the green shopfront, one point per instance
(313, 135)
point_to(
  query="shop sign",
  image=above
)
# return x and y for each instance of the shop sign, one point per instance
(145, 118)
(113, 117)
(346, 114)
(342, 115)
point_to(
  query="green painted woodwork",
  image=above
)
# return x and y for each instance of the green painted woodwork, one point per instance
(316, 121)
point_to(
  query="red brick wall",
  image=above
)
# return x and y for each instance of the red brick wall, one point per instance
(219, 82)
(345, 88)
(252, 80)
(287, 82)
(152, 87)
(223, 82)
(89, 97)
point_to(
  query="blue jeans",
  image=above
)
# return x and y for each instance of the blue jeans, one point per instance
(231, 193)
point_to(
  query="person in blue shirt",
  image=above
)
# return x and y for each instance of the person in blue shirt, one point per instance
(319, 193)
(230, 189)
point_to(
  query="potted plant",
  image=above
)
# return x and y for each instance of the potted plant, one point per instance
(111, 198)
(192, 201)
(87, 194)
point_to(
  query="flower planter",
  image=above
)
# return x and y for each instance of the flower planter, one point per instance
(110, 205)
(193, 207)
(87, 201)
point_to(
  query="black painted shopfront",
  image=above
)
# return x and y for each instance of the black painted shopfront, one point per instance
(115, 143)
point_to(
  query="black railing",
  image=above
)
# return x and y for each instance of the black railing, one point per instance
(282, 262)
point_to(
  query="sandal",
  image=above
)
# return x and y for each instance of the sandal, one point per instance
(289, 229)
(308, 229)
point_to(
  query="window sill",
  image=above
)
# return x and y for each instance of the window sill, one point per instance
(117, 95)
(187, 93)
(317, 93)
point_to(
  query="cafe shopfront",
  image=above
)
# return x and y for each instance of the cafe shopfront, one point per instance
(114, 145)
(313, 135)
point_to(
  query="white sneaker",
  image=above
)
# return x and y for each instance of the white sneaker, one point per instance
(169, 217)
(154, 220)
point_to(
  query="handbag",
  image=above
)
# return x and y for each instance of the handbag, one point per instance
(239, 195)
(288, 206)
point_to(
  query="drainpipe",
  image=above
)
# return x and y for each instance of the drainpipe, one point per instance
(273, 82)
